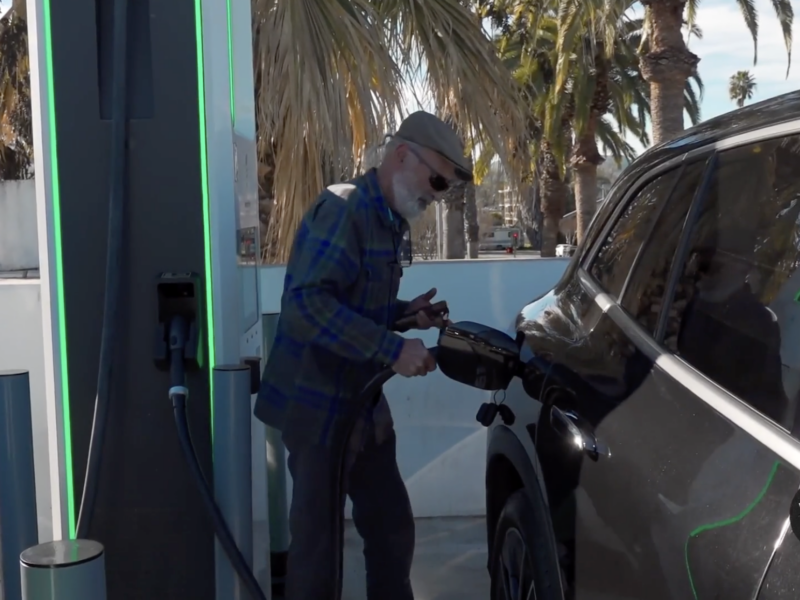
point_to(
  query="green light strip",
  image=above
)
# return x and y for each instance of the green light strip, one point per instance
(201, 110)
(59, 270)
(230, 62)
(725, 523)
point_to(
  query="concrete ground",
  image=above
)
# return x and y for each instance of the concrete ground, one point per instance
(449, 563)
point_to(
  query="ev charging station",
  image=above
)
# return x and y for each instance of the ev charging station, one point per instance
(146, 182)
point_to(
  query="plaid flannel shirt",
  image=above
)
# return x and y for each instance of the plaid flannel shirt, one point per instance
(338, 306)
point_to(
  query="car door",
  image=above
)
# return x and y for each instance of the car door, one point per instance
(689, 469)
(590, 370)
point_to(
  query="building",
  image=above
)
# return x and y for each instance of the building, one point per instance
(508, 204)
(568, 225)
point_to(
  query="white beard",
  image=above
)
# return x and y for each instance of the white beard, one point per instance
(407, 201)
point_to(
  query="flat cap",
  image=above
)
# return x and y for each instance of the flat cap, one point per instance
(429, 131)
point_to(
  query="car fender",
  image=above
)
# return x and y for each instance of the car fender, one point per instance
(504, 445)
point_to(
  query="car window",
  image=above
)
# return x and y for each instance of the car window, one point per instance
(735, 315)
(643, 296)
(616, 255)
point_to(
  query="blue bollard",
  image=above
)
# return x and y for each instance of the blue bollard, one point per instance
(18, 525)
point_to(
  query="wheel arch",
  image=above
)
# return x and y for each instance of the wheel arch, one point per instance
(508, 469)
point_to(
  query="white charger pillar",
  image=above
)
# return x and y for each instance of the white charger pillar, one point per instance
(191, 208)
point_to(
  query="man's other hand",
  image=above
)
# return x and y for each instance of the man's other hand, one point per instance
(414, 359)
(421, 302)
(420, 307)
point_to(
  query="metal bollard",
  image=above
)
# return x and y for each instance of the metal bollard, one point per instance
(233, 472)
(64, 570)
(258, 452)
(276, 486)
(18, 526)
(278, 508)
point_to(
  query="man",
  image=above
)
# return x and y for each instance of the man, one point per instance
(334, 334)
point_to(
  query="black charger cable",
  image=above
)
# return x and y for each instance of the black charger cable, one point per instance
(114, 265)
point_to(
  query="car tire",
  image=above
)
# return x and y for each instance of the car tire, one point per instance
(522, 555)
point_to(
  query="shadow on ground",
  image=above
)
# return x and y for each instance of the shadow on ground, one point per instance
(449, 562)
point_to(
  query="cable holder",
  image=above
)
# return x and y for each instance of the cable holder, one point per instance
(178, 390)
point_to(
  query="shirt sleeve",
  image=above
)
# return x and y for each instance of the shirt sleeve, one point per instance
(400, 309)
(328, 262)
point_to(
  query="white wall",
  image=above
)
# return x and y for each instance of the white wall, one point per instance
(22, 347)
(441, 448)
(18, 236)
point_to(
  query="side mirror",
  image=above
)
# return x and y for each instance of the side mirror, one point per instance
(477, 356)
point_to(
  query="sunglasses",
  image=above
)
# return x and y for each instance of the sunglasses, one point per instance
(439, 182)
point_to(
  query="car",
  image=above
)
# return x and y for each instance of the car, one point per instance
(565, 249)
(649, 447)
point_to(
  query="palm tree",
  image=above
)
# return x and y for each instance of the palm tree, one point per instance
(741, 87)
(454, 244)
(471, 223)
(16, 131)
(354, 58)
(598, 64)
(579, 65)
(460, 229)
(668, 63)
(571, 89)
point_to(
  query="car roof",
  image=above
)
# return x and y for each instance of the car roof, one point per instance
(780, 109)
(773, 111)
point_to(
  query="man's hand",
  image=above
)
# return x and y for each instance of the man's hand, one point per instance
(421, 302)
(414, 359)
(420, 306)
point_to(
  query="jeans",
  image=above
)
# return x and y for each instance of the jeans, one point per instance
(381, 514)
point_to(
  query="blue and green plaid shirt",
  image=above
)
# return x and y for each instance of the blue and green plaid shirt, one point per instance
(338, 306)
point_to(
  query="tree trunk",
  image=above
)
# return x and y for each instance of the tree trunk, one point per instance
(453, 227)
(585, 197)
(585, 159)
(666, 67)
(529, 214)
(553, 195)
(471, 224)
(538, 216)
(471, 220)
(20, 8)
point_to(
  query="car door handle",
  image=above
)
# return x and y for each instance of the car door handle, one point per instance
(571, 426)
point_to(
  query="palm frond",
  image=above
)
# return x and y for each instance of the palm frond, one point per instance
(613, 143)
(330, 76)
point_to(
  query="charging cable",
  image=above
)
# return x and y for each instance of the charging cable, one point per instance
(114, 266)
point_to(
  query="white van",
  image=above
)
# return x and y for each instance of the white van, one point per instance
(565, 250)
(500, 238)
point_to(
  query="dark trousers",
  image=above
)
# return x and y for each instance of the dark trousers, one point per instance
(381, 514)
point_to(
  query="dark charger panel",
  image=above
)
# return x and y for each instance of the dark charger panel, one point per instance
(158, 540)
(141, 95)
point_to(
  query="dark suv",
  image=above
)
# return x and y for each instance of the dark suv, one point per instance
(650, 446)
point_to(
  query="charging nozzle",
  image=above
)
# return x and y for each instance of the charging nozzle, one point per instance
(177, 332)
